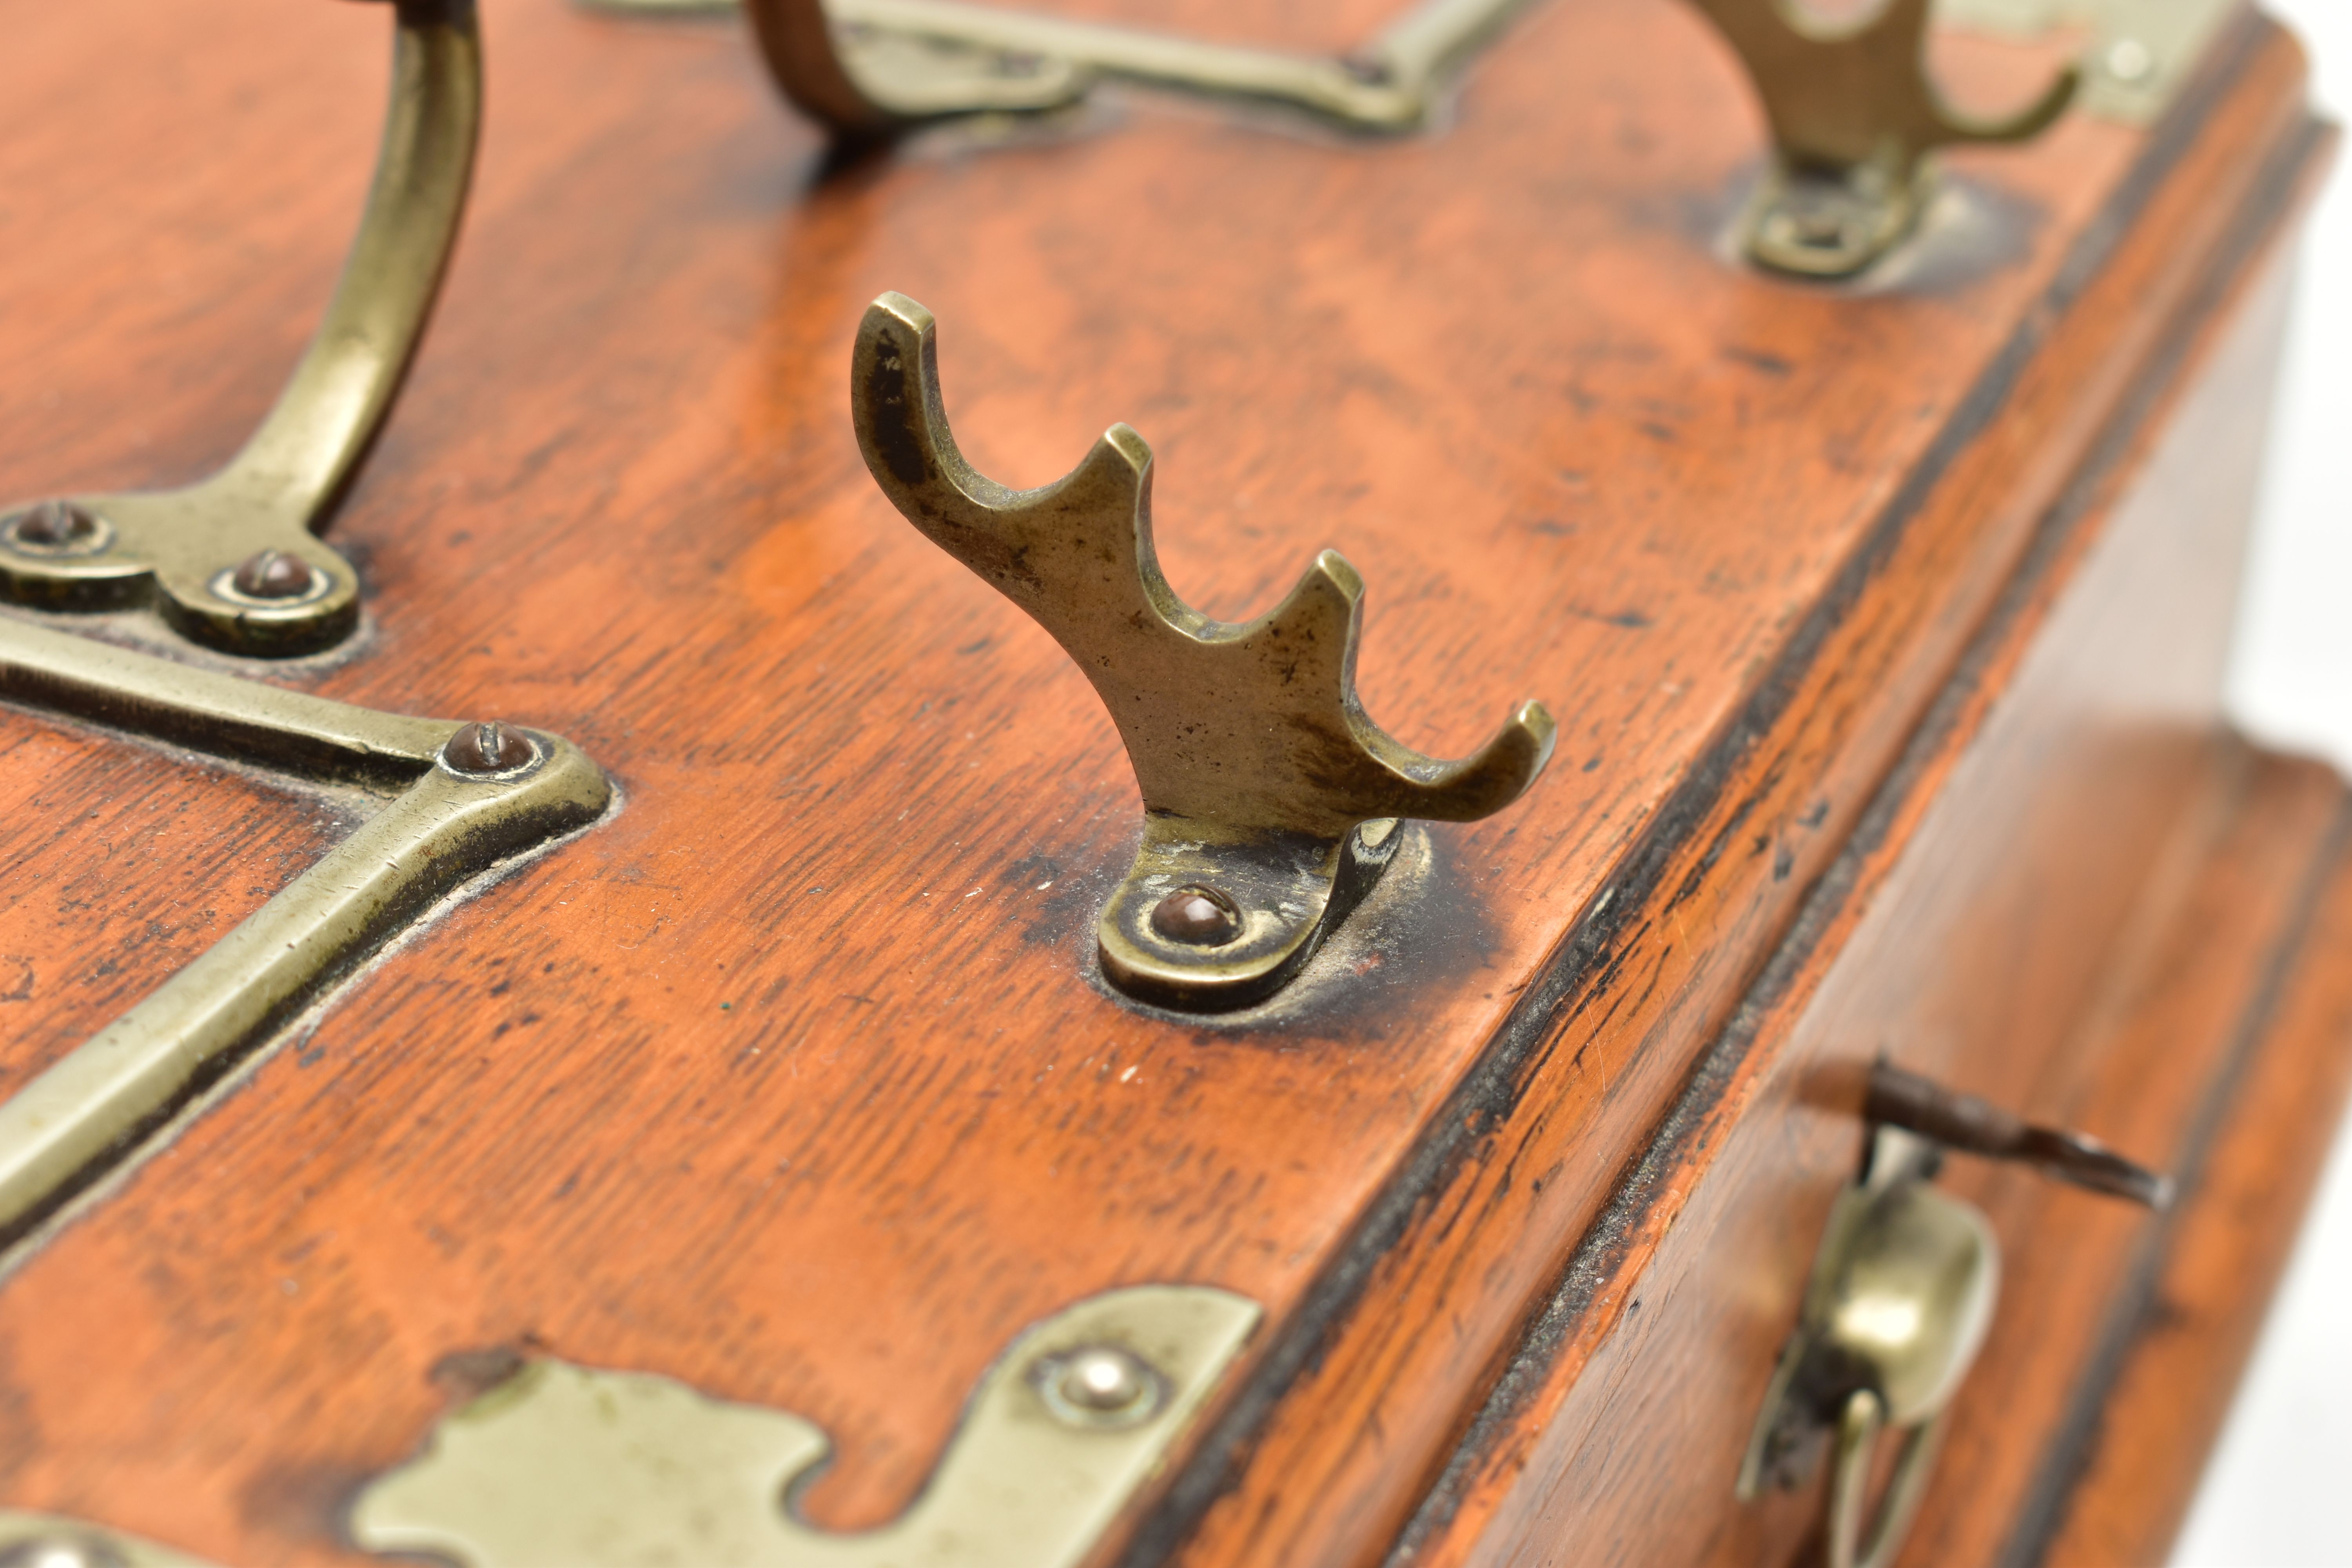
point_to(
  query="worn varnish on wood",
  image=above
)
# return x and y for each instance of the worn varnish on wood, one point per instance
(790, 1081)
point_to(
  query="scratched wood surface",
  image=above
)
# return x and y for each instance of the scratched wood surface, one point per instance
(789, 1081)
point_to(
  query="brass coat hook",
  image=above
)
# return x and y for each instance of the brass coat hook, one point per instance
(1271, 797)
(231, 560)
(870, 67)
(1854, 118)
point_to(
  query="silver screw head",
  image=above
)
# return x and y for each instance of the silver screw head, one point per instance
(1101, 1385)
(2128, 61)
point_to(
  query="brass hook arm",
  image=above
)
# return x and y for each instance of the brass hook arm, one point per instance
(873, 89)
(232, 560)
(336, 400)
(1837, 99)
(1253, 725)
(869, 67)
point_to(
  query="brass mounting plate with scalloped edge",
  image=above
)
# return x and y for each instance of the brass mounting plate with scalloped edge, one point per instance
(450, 814)
(568, 1467)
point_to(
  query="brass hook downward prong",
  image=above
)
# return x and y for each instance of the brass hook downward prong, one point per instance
(867, 68)
(232, 560)
(1854, 118)
(1271, 797)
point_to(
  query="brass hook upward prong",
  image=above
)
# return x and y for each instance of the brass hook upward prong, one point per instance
(1267, 788)
(1855, 117)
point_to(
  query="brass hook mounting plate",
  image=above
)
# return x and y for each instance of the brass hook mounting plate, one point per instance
(232, 560)
(1065, 1428)
(1269, 793)
(1854, 118)
(449, 817)
(870, 67)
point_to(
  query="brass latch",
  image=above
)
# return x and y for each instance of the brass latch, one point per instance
(1270, 799)
(231, 560)
(1902, 1293)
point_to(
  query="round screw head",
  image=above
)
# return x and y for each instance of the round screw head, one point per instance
(487, 748)
(1100, 1386)
(273, 574)
(2129, 61)
(1200, 917)
(61, 1552)
(55, 525)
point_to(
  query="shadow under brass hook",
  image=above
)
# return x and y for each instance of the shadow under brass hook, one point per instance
(232, 560)
(1271, 796)
(1854, 117)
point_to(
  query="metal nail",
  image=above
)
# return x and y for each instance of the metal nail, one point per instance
(1100, 1386)
(273, 574)
(1202, 917)
(55, 525)
(2129, 61)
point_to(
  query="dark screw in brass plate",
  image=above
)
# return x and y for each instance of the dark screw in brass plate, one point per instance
(487, 748)
(58, 526)
(272, 574)
(1201, 916)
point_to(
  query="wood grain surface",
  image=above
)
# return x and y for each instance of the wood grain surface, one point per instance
(2041, 831)
(791, 1080)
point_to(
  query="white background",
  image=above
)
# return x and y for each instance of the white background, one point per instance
(2279, 1493)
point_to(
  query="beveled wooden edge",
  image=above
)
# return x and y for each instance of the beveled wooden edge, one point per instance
(1607, 1263)
(1497, 1091)
(2120, 1473)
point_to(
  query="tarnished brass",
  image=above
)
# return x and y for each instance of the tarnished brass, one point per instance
(565, 1466)
(440, 826)
(869, 67)
(1262, 778)
(1854, 118)
(182, 549)
(1901, 1296)
(52, 1541)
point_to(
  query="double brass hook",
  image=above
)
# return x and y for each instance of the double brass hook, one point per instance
(1854, 118)
(1271, 797)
